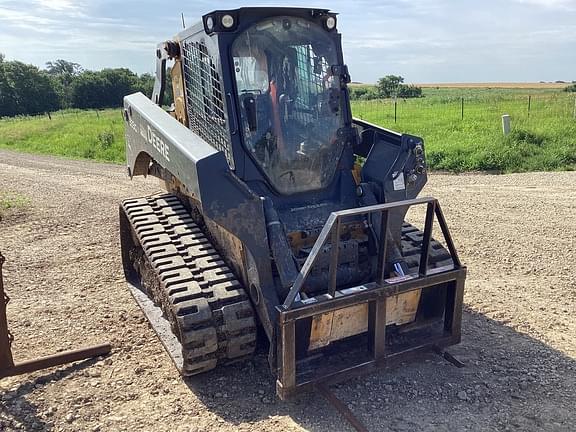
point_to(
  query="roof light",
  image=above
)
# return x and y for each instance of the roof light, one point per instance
(210, 23)
(227, 21)
(330, 23)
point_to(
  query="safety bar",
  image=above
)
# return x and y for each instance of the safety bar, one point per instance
(332, 229)
(378, 354)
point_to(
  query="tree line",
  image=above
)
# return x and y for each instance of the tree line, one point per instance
(387, 87)
(26, 89)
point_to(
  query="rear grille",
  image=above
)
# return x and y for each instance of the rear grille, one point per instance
(205, 99)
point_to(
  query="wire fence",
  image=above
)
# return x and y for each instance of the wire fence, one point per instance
(66, 114)
(387, 112)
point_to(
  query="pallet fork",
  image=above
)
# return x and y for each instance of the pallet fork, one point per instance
(7, 365)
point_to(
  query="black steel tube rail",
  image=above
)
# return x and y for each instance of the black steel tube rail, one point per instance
(370, 292)
(383, 246)
(7, 365)
(6, 359)
(333, 269)
(305, 270)
(342, 408)
(447, 236)
(285, 391)
(376, 296)
(332, 229)
(55, 360)
(428, 224)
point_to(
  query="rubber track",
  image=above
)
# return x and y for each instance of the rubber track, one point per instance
(412, 244)
(208, 309)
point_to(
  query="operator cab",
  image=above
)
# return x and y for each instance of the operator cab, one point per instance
(289, 101)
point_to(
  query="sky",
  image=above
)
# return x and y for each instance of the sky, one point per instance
(425, 41)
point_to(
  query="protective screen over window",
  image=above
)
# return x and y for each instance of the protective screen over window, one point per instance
(289, 102)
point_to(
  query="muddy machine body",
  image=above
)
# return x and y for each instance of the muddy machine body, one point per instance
(283, 215)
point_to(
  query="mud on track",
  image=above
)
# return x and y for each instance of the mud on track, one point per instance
(516, 234)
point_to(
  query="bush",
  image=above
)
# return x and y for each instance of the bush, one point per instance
(357, 92)
(570, 88)
(106, 139)
(409, 91)
(363, 93)
(391, 85)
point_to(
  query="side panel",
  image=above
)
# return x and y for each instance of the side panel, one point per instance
(152, 131)
(152, 134)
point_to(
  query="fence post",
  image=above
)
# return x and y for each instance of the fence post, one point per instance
(574, 114)
(49, 116)
(529, 104)
(506, 124)
(97, 115)
(462, 110)
(395, 109)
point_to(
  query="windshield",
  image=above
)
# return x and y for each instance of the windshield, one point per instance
(289, 101)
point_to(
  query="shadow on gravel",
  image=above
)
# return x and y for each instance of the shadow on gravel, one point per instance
(16, 412)
(510, 382)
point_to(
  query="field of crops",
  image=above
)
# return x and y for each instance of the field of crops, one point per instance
(503, 85)
(461, 128)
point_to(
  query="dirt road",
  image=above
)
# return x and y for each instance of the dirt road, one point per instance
(516, 233)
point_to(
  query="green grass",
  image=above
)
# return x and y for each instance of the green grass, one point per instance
(544, 140)
(541, 141)
(73, 134)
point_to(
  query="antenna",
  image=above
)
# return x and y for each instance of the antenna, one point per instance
(183, 24)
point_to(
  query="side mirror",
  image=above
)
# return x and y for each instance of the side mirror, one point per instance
(249, 106)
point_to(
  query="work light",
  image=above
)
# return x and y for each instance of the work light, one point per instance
(330, 23)
(227, 21)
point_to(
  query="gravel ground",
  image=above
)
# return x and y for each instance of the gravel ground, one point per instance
(514, 232)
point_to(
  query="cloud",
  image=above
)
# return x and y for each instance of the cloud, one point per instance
(16, 17)
(58, 5)
(423, 40)
(392, 41)
(17, 21)
(551, 4)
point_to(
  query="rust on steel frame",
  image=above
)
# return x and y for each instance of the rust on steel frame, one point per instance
(7, 365)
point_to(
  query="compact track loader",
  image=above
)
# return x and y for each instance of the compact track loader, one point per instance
(283, 214)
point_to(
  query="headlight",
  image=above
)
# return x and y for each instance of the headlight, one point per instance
(227, 21)
(210, 23)
(330, 23)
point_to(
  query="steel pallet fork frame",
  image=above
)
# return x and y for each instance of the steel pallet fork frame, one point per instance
(7, 365)
(375, 294)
